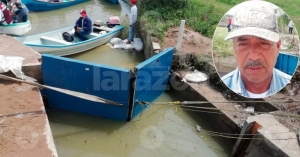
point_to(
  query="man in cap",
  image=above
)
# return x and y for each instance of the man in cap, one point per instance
(256, 45)
(83, 25)
(132, 21)
(21, 13)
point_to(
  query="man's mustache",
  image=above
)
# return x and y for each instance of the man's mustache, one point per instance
(254, 64)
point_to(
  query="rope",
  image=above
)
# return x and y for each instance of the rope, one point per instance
(218, 134)
(176, 103)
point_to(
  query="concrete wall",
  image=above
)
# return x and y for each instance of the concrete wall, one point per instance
(263, 148)
(269, 134)
(147, 40)
(34, 71)
(219, 122)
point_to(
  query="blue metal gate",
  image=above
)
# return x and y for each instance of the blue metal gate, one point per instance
(146, 83)
(152, 77)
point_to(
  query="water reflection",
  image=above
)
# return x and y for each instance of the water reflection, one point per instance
(112, 57)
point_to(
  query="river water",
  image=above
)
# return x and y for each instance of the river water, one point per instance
(159, 132)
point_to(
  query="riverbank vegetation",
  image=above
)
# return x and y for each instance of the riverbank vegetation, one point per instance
(202, 16)
(157, 16)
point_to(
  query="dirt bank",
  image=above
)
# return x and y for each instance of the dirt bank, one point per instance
(192, 42)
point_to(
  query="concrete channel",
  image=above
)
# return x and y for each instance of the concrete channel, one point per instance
(25, 130)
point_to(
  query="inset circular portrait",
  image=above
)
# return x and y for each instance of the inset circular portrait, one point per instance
(256, 49)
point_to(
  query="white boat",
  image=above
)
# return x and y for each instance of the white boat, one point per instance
(16, 29)
(53, 42)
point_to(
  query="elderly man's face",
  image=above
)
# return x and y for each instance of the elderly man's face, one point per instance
(256, 58)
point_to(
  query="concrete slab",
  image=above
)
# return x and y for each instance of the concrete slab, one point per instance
(24, 126)
(12, 47)
(272, 131)
(26, 135)
(16, 98)
(31, 65)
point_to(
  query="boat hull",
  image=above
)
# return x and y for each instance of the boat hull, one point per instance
(113, 1)
(34, 5)
(17, 29)
(69, 48)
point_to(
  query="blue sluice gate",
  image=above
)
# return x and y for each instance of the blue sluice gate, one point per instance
(148, 81)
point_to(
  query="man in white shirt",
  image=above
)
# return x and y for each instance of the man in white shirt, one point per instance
(132, 21)
(291, 26)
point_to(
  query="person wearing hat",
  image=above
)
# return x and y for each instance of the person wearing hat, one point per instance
(132, 21)
(21, 13)
(256, 45)
(83, 26)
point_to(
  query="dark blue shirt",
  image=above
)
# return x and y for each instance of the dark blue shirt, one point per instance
(22, 15)
(87, 24)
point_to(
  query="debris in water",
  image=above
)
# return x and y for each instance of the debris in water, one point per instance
(85, 141)
(198, 128)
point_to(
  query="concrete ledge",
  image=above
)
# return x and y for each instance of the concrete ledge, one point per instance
(12, 47)
(31, 65)
(34, 71)
(223, 121)
(24, 127)
(271, 130)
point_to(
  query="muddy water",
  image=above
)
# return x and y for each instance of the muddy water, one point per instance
(112, 57)
(159, 132)
(56, 19)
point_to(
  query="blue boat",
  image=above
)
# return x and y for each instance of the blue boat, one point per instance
(44, 5)
(287, 63)
(53, 42)
(113, 1)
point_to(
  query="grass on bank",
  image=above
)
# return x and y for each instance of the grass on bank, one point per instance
(200, 15)
(291, 8)
(222, 48)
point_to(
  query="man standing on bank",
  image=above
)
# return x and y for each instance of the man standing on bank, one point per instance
(291, 26)
(256, 45)
(132, 21)
(229, 23)
(83, 26)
